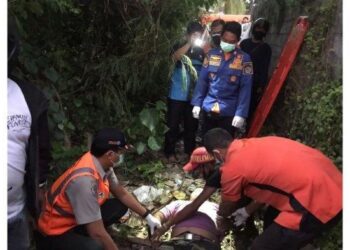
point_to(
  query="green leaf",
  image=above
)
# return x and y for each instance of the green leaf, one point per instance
(60, 126)
(160, 105)
(78, 103)
(149, 118)
(31, 66)
(51, 74)
(140, 148)
(58, 117)
(71, 126)
(153, 144)
(35, 8)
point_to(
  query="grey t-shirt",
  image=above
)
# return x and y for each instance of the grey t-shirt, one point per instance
(83, 195)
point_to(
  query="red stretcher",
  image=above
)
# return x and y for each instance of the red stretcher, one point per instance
(289, 52)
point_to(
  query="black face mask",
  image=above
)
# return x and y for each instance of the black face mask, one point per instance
(216, 39)
(258, 35)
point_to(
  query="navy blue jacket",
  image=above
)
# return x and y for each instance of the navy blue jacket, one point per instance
(224, 86)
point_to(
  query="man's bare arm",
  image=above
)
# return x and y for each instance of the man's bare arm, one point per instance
(97, 231)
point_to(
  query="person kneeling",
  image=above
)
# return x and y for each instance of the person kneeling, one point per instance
(77, 209)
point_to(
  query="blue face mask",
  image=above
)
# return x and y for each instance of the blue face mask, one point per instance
(227, 47)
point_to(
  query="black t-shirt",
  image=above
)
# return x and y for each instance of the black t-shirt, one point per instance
(214, 180)
(260, 54)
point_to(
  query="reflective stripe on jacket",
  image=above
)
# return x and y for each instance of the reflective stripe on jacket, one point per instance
(295, 179)
(58, 216)
(226, 83)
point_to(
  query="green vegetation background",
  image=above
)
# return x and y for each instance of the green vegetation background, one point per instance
(107, 64)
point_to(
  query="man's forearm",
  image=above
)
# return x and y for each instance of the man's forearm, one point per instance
(226, 208)
(253, 206)
(127, 199)
(181, 215)
(130, 201)
(107, 241)
(181, 51)
(97, 231)
(191, 208)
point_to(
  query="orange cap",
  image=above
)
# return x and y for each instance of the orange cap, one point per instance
(198, 156)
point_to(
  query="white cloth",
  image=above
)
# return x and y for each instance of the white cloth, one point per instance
(19, 121)
(208, 208)
(245, 30)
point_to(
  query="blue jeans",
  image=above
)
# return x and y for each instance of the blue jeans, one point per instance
(18, 232)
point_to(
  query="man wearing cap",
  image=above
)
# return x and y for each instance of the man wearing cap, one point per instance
(302, 184)
(201, 164)
(198, 231)
(77, 208)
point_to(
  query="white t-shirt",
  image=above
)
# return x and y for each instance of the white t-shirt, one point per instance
(208, 208)
(18, 130)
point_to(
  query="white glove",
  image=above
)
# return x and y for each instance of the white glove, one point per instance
(237, 121)
(195, 112)
(241, 216)
(153, 222)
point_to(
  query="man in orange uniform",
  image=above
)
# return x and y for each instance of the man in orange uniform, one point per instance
(299, 181)
(302, 184)
(77, 208)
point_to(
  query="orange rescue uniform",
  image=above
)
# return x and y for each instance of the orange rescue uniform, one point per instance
(58, 216)
(285, 174)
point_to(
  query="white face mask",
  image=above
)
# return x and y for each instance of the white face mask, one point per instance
(119, 162)
(227, 47)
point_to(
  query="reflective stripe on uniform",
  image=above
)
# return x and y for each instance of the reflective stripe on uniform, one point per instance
(51, 196)
(62, 212)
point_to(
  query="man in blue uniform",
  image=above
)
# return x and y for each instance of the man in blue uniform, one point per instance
(224, 86)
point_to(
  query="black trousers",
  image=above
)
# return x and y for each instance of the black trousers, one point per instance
(188, 245)
(211, 121)
(77, 238)
(244, 235)
(178, 112)
(276, 237)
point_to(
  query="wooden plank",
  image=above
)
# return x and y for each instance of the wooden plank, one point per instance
(287, 57)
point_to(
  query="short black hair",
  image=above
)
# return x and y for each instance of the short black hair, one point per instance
(261, 23)
(194, 27)
(233, 27)
(217, 22)
(217, 138)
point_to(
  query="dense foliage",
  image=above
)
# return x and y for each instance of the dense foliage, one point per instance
(310, 105)
(101, 64)
(107, 64)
